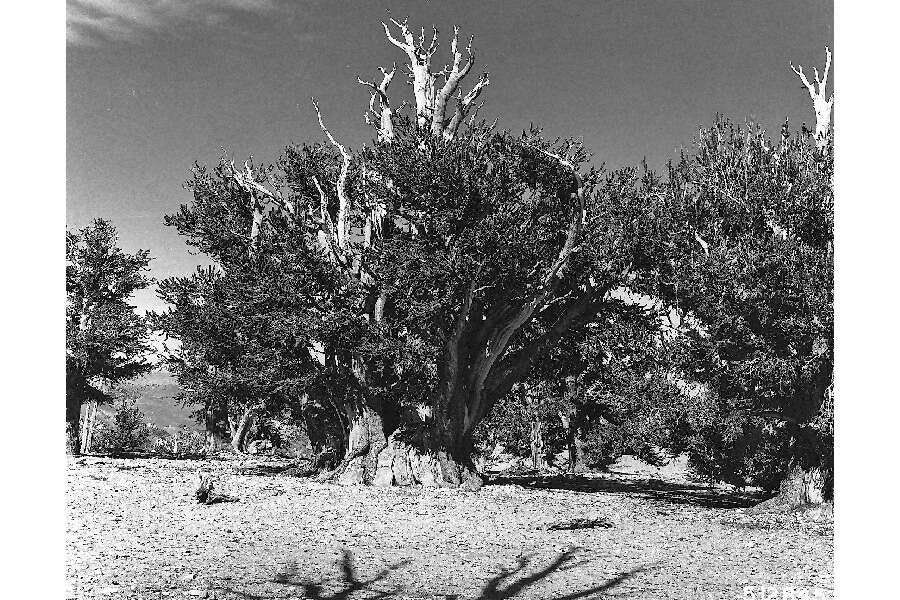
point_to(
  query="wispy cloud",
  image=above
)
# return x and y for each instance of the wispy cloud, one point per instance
(97, 22)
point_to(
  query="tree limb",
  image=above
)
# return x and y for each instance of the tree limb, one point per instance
(463, 105)
(342, 225)
(458, 71)
(497, 345)
(329, 233)
(431, 102)
(385, 114)
(821, 104)
(419, 66)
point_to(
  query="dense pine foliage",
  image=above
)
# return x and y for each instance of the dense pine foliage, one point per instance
(450, 286)
(759, 300)
(106, 341)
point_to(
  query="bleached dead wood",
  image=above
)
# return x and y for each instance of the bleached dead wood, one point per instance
(821, 103)
(433, 100)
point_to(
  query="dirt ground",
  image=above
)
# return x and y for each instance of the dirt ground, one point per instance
(134, 530)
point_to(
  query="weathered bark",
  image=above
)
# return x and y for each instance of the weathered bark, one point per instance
(434, 454)
(403, 462)
(801, 487)
(571, 440)
(240, 429)
(89, 423)
(214, 438)
(537, 444)
(366, 440)
(73, 419)
(821, 104)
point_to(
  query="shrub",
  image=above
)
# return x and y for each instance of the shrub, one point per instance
(127, 431)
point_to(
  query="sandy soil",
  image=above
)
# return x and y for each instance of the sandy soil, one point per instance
(134, 530)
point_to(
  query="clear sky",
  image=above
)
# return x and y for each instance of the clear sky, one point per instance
(154, 85)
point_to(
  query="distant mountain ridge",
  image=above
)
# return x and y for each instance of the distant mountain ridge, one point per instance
(155, 395)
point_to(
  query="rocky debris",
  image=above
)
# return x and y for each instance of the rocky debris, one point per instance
(107, 591)
(206, 492)
(813, 519)
(577, 523)
(309, 467)
(259, 447)
(139, 528)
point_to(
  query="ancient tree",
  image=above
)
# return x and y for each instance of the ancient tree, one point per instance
(428, 270)
(760, 292)
(106, 341)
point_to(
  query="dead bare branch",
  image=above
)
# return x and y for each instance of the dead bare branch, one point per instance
(342, 225)
(821, 105)
(432, 103)
(384, 114)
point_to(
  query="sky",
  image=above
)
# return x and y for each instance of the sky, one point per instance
(154, 85)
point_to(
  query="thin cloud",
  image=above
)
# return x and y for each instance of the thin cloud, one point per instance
(96, 22)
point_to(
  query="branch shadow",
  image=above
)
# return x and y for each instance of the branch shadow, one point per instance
(649, 489)
(503, 586)
(492, 590)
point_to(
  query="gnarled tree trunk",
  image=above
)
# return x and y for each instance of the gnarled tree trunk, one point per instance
(240, 429)
(366, 441)
(573, 444)
(803, 486)
(537, 445)
(73, 414)
(435, 453)
(89, 423)
(419, 458)
(214, 437)
(75, 386)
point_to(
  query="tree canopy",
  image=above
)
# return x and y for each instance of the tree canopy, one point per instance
(106, 340)
(753, 273)
(396, 293)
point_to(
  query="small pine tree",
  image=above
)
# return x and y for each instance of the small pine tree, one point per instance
(128, 430)
(106, 340)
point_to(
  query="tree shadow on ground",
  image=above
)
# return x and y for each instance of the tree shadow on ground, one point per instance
(503, 586)
(650, 489)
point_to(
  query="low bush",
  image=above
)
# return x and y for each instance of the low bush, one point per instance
(126, 433)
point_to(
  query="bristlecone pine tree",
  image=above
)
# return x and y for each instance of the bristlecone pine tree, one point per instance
(752, 263)
(426, 271)
(106, 341)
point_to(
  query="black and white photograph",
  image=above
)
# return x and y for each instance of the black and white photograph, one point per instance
(425, 300)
